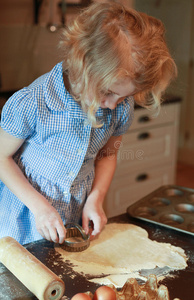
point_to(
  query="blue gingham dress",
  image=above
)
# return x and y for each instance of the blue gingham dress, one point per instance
(59, 150)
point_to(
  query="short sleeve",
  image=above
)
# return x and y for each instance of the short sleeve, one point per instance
(126, 115)
(18, 116)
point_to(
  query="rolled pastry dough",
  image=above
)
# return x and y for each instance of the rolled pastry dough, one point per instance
(124, 249)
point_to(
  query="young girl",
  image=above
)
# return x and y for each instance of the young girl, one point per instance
(59, 135)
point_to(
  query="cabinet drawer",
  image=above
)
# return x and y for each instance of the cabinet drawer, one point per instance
(126, 190)
(154, 145)
(144, 118)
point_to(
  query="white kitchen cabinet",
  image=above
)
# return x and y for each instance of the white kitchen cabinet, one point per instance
(146, 159)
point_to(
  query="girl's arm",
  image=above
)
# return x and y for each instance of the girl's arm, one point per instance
(104, 170)
(48, 221)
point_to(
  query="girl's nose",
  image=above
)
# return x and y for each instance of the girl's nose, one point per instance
(112, 105)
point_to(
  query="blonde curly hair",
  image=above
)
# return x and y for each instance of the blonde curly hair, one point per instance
(107, 42)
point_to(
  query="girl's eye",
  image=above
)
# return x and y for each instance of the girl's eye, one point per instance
(107, 94)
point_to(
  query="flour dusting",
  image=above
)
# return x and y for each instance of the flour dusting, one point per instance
(123, 251)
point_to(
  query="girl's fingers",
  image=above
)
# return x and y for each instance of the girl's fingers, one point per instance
(50, 225)
(56, 233)
(61, 233)
(85, 224)
(45, 233)
(99, 223)
(53, 235)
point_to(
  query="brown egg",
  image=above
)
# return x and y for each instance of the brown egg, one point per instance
(81, 296)
(104, 293)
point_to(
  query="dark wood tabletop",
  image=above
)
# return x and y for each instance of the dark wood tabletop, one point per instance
(180, 285)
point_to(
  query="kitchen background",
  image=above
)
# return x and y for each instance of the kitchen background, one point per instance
(29, 35)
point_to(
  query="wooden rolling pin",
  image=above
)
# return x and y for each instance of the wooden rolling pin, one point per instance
(40, 280)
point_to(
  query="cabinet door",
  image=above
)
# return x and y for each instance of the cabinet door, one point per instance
(142, 148)
(144, 118)
(126, 190)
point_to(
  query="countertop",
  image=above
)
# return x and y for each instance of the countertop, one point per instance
(180, 285)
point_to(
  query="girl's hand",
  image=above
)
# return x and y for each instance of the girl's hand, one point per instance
(49, 224)
(93, 211)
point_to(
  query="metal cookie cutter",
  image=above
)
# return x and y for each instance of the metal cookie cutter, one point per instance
(76, 239)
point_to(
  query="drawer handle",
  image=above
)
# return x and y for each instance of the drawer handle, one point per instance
(143, 136)
(144, 119)
(141, 177)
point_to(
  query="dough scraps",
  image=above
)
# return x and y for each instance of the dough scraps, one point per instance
(122, 251)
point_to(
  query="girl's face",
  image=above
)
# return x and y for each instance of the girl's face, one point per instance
(117, 93)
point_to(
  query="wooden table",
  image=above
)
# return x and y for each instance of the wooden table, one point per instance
(181, 285)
